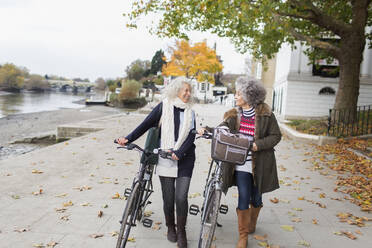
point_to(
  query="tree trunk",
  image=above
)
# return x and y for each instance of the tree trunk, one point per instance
(350, 60)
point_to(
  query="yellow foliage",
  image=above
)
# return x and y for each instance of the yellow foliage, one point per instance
(197, 62)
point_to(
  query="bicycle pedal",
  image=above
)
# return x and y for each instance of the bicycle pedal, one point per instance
(224, 209)
(147, 222)
(127, 192)
(194, 209)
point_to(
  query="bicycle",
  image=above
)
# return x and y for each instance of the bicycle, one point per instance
(138, 195)
(211, 204)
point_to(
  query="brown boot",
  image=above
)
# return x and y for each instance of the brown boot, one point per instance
(254, 216)
(181, 232)
(243, 223)
(171, 234)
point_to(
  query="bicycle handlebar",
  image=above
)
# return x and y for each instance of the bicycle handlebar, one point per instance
(206, 134)
(167, 154)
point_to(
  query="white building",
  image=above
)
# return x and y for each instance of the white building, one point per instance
(296, 91)
(208, 92)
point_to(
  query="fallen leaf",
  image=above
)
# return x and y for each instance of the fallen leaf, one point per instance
(301, 198)
(61, 210)
(38, 192)
(100, 213)
(337, 233)
(358, 232)
(65, 217)
(52, 244)
(147, 213)
(37, 172)
(68, 204)
(16, 197)
(85, 204)
(194, 195)
(105, 206)
(292, 214)
(131, 239)
(275, 200)
(322, 195)
(260, 238)
(22, 230)
(296, 220)
(349, 235)
(114, 233)
(116, 196)
(41, 245)
(287, 228)
(156, 227)
(263, 244)
(303, 243)
(315, 221)
(62, 195)
(97, 236)
(297, 209)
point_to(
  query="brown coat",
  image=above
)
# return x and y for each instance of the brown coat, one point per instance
(267, 135)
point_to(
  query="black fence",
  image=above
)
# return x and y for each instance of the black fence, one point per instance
(350, 122)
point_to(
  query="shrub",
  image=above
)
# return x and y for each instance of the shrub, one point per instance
(129, 90)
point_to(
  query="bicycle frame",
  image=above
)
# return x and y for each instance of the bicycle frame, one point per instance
(144, 178)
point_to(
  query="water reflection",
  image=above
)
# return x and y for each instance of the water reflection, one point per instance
(28, 102)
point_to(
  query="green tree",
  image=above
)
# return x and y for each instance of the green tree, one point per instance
(157, 62)
(262, 26)
(12, 77)
(138, 69)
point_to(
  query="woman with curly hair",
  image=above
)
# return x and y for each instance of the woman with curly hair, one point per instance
(177, 120)
(258, 175)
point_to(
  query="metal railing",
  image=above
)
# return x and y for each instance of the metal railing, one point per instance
(350, 122)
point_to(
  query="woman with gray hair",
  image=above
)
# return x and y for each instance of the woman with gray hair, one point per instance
(177, 120)
(258, 175)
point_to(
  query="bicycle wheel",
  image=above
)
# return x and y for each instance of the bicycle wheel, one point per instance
(128, 216)
(209, 220)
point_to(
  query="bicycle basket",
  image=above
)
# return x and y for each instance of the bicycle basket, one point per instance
(229, 147)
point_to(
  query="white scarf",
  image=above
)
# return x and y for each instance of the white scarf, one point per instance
(167, 123)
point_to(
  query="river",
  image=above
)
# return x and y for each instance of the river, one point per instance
(30, 102)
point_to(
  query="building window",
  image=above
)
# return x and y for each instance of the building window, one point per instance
(327, 91)
(323, 65)
(202, 86)
(208, 86)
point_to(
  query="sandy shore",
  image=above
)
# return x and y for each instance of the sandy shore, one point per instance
(16, 127)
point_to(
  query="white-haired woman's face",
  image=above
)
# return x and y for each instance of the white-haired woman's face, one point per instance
(239, 99)
(185, 93)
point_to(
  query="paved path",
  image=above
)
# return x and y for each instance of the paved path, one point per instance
(87, 172)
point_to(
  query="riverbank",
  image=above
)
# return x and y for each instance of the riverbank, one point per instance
(20, 126)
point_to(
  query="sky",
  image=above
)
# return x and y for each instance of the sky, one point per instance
(85, 38)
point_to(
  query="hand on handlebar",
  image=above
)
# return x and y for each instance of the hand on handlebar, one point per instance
(122, 141)
(201, 131)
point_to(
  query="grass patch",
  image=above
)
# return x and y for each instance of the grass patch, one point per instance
(315, 127)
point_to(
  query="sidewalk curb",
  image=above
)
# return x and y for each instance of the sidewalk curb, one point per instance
(314, 139)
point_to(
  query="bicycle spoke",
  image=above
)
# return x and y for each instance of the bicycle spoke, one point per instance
(209, 221)
(128, 217)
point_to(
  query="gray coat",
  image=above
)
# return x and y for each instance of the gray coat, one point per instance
(267, 135)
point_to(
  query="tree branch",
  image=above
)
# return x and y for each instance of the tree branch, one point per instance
(321, 19)
(332, 49)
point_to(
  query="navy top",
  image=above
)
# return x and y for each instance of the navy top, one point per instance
(186, 153)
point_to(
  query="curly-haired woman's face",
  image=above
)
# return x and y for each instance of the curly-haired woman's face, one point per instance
(239, 99)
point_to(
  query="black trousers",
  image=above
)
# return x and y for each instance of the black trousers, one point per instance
(175, 191)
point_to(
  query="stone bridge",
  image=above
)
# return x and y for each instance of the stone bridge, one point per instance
(63, 85)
